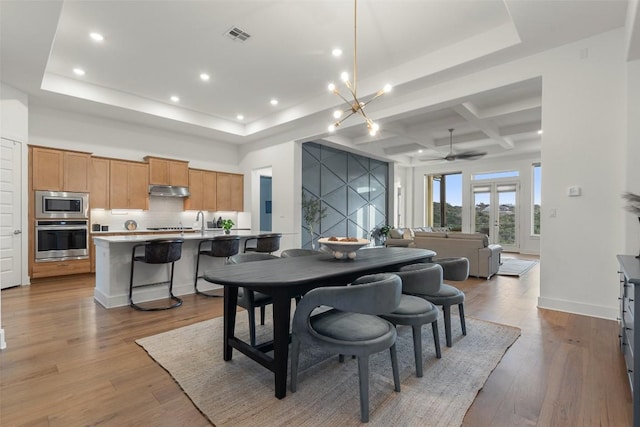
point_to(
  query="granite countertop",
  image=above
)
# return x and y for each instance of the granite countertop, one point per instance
(136, 236)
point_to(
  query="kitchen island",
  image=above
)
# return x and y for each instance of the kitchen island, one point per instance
(113, 267)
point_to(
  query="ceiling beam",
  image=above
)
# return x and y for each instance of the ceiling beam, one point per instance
(470, 113)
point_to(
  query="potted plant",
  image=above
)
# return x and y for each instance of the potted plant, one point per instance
(312, 213)
(380, 233)
(226, 225)
(633, 205)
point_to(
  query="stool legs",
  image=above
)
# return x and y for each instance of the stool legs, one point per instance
(177, 302)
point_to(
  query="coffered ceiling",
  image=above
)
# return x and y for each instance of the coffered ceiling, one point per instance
(153, 50)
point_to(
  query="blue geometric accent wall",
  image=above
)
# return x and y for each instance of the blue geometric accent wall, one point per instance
(353, 188)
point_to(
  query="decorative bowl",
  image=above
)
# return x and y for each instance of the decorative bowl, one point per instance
(343, 249)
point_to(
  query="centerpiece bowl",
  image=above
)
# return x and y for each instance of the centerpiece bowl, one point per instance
(343, 248)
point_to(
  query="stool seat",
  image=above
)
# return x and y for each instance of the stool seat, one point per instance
(220, 247)
(264, 243)
(159, 251)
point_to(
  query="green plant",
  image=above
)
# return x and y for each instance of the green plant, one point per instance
(633, 203)
(312, 213)
(381, 231)
(227, 224)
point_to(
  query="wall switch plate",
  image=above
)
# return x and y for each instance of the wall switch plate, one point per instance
(574, 191)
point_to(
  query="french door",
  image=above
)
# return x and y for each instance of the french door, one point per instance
(495, 212)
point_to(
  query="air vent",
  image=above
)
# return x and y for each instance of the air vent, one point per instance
(237, 34)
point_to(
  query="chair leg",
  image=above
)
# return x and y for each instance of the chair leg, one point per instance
(417, 348)
(195, 281)
(394, 367)
(363, 373)
(252, 325)
(295, 353)
(462, 322)
(131, 280)
(436, 338)
(262, 312)
(447, 324)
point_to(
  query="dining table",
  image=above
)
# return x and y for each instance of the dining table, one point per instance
(287, 278)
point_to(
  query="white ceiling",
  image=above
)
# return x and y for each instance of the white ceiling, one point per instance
(155, 49)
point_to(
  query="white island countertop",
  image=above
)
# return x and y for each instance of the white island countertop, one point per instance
(190, 235)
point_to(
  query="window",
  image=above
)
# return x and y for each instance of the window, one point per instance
(495, 175)
(444, 201)
(536, 190)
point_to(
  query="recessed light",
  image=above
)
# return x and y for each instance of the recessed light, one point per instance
(540, 132)
(240, 117)
(274, 102)
(336, 52)
(419, 151)
(96, 37)
(205, 77)
(79, 71)
(175, 98)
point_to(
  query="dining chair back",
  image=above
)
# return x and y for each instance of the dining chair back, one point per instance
(350, 327)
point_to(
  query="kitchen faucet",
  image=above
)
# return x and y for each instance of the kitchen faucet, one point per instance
(201, 214)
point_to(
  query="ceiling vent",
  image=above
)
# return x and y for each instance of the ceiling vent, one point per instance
(236, 34)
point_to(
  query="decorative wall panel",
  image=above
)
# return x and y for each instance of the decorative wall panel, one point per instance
(353, 188)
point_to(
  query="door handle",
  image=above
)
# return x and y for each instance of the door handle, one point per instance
(17, 231)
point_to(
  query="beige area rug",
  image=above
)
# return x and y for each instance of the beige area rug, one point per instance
(241, 392)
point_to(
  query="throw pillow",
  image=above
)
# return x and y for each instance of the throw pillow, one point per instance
(408, 234)
(396, 233)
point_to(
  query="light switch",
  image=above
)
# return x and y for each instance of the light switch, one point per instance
(574, 191)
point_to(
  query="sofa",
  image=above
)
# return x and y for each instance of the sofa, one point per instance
(484, 259)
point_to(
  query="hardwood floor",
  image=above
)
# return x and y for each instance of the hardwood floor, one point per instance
(70, 362)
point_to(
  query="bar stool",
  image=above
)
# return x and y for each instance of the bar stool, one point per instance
(160, 251)
(221, 247)
(265, 243)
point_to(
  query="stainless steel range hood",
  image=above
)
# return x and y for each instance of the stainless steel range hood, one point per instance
(168, 191)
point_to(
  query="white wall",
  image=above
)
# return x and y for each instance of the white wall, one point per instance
(111, 138)
(285, 161)
(632, 184)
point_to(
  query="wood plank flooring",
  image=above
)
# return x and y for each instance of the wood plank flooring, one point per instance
(70, 362)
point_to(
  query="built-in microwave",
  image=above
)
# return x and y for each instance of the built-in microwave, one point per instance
(61, 204)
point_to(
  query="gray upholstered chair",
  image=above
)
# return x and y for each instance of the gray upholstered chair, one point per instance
(265, 243)
(351, 326)
(442, 294)
(415, 312)
(290, 253)
(249, 300)
(219, 247)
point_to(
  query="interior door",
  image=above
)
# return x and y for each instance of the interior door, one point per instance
(10, 213)
(495, 212)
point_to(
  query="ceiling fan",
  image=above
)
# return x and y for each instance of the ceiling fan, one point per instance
(463, 155)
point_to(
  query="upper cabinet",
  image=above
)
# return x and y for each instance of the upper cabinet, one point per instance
(167, 171)
(202, 186)
(99, 183)
(230, 189)
(129, 185)
(60, 170)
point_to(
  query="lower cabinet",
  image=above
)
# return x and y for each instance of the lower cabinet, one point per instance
(630, 329)
(60, 268)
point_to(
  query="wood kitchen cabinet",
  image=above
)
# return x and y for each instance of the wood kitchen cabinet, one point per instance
(203, 189)
(230, 192)
(167, 171)
(128, 185)
(59, 170)
(99, 183)
(60, 268)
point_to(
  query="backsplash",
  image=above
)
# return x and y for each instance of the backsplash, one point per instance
(163, 212)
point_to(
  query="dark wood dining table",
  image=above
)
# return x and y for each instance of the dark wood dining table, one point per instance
(286, 278)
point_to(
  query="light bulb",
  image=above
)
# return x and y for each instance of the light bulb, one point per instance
(79, 71)
(375, 126)
(336, 52)
(387, 88)
(96, 37)
(372, 132)
(337, 114)
(331, 87)
(332, 128)
(344, 76)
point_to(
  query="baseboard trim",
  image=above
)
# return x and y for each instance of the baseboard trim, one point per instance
(592, 310)
(3, 343)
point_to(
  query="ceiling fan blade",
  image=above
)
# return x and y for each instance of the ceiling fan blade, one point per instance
(469, 155)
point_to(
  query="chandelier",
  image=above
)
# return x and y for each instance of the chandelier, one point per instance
(355, 106)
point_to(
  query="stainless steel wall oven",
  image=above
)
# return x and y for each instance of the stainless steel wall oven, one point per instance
(58, 240)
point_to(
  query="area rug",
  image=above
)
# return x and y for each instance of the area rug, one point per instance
(515, 267)
(240, 392)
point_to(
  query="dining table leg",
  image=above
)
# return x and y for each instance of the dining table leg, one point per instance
(230, 302)
(281, 320)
